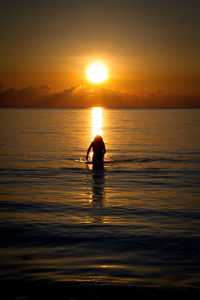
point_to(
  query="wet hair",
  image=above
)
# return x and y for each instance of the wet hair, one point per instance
(98, 138)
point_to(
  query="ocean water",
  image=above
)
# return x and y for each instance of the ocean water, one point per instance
(134, 223)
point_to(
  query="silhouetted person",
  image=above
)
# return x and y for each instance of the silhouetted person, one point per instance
(99, 150)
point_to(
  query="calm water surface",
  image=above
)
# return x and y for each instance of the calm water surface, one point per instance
(136, 222)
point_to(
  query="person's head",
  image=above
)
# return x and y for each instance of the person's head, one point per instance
(98, 138)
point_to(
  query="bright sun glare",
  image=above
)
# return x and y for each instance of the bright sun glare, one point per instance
(96, 121)
(97, 73)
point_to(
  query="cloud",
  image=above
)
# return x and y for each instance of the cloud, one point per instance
(28, 96)
(81, 96)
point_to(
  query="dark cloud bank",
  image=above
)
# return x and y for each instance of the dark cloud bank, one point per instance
(77, 96)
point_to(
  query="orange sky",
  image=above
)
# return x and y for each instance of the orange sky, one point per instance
(152, 50)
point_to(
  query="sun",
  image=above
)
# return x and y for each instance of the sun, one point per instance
(97, 73)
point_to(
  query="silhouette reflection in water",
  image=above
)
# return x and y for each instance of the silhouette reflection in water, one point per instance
(97, 195)
(98, 187)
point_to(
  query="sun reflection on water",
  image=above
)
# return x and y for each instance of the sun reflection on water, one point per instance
(96, 121)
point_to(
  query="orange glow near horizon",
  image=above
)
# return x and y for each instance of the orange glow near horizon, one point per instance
(97, 121)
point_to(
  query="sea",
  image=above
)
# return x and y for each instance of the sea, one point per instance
(133, 225)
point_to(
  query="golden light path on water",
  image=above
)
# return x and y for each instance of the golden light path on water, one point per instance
(97, 121)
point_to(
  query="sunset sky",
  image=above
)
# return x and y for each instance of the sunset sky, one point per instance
(151, 49)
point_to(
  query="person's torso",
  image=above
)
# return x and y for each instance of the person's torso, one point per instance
(98, 148)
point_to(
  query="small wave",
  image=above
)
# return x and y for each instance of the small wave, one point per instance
(72, 169)
(111, 160)
(43, 172)
(145, 160)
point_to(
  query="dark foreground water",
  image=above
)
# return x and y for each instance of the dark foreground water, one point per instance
(129, 230)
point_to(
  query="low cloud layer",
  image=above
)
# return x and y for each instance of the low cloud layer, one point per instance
(79, 96)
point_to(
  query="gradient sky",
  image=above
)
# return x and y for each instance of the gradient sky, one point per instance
(149, 46)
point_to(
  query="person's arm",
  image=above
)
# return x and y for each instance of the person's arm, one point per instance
(88, 151)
